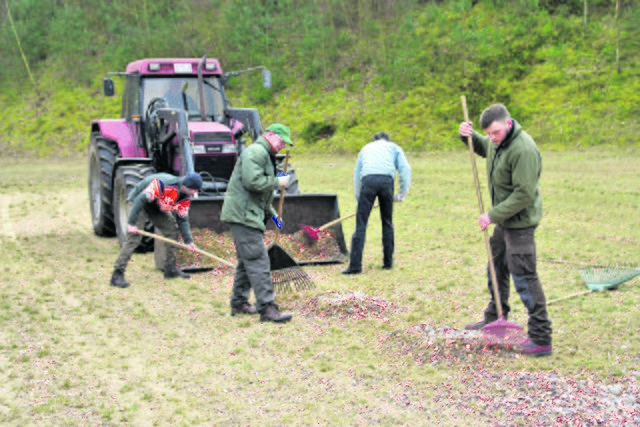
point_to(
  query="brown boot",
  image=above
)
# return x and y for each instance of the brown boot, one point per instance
(117, 279)
(272, 314)
(245, 308)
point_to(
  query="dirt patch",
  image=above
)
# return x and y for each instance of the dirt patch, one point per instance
(22, 216)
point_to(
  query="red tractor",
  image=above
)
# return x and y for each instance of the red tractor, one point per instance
(176, 119)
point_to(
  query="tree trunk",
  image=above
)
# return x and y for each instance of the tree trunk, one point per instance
(586, 13)
(618, 37)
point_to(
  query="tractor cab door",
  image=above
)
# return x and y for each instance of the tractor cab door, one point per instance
(131, 112)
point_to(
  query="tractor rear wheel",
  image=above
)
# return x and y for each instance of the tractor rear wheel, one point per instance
(127, 177)
(102, 156)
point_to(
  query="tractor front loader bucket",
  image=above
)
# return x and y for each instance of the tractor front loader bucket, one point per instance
(312, 209)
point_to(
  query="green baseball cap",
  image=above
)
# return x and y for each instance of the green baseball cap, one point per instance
(282, 131)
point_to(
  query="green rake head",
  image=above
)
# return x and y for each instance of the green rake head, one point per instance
(598, 278)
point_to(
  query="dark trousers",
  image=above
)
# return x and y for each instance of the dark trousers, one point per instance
(380, 187)
(163, 221)
(514, 254)
(253, 269)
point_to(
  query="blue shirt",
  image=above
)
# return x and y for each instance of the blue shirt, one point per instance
(382, 158)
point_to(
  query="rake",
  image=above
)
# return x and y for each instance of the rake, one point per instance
(183, 246)
(286, 273)
(313, 233)
(600, 277)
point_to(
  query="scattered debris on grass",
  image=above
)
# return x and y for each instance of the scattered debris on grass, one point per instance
(302, 249)
(543, 398)
(513, 398)
(428, 345)
(348, 306)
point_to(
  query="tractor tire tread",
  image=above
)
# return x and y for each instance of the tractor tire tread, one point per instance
(106, 153)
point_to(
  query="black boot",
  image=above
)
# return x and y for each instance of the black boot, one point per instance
(173, 271)
(117, 279)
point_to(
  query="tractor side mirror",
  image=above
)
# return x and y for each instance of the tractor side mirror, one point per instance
(266, 79)
(108, 87)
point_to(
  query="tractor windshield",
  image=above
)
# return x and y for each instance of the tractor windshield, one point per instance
(182, 92)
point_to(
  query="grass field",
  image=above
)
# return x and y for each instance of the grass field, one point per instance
(75, 351)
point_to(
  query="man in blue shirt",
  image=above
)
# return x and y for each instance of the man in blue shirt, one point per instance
(374, 176)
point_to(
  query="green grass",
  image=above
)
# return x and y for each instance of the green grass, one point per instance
(75, 351)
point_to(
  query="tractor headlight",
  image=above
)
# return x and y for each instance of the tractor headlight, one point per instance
(214, 148)
(182, 68)
(228, 148)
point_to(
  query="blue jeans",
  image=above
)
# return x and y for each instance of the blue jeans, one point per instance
(380, 187)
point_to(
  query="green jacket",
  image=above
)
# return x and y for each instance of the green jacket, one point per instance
(249, 197)
(141, 199)
(513, 172)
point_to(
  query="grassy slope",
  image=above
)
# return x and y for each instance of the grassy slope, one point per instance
(557, 76)
(74, 351)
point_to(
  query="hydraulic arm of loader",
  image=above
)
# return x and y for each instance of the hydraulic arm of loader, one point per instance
(178, 120)
(249, 118)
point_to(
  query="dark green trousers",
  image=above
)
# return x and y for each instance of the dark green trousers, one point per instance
(163, 221)
(253, 269)
(514, 254)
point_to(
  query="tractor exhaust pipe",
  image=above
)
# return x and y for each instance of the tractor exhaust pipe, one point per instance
(203, 107)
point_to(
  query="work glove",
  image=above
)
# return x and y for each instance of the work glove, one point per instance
(279, 221)
(399, 197)
(283, 179)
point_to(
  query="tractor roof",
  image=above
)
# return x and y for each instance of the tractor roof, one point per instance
(170, 66)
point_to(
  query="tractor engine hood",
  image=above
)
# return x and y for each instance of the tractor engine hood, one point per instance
(211, 137)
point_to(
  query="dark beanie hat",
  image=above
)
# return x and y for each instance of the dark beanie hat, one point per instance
(382, 135)
(193, 181)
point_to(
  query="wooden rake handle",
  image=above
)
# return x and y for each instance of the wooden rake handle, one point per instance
(183, 246)
(492, 268)
(339, 220)
(282, 191)
(553, 301)
(577, 294)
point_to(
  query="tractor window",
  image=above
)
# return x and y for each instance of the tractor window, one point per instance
(130, 99)
(172, 88)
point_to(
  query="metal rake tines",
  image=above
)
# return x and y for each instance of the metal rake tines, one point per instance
(291, 279)
(602, 277)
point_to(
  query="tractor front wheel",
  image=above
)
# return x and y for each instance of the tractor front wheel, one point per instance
(127, 177)
(102, 156)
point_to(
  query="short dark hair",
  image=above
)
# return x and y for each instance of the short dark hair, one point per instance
(494, 113)
(382, 135)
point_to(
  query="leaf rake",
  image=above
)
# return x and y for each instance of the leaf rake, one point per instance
(286, 273)
(600, 277)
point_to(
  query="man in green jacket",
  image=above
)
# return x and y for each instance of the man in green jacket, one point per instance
(165, 200)
(514, 165)
(248, 204)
